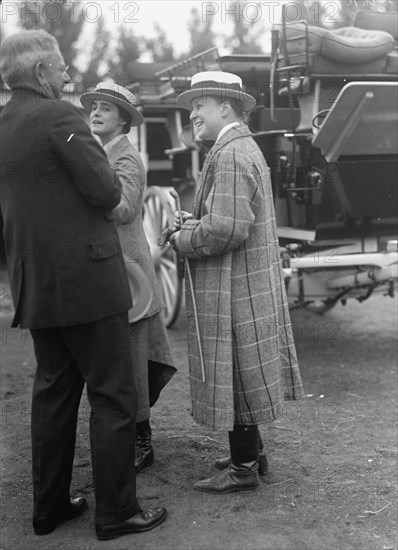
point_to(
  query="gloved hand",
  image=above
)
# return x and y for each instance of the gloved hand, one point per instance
(177, 220)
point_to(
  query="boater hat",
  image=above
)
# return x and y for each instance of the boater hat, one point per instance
(217, 83)
(107, 91)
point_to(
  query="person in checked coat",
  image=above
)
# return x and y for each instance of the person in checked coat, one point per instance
(112, 113)
(69, 287)
(242, 356)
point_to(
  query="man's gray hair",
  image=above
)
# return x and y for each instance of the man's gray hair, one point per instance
(21, 52)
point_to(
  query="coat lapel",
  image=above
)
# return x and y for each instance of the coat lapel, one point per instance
(115, 151)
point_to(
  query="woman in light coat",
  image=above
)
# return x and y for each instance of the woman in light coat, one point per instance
(112, 113)
(237, 302)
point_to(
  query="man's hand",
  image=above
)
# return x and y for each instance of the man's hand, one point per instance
(173, 240)
(177, 221)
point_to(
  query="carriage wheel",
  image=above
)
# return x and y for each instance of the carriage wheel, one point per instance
(159, 208)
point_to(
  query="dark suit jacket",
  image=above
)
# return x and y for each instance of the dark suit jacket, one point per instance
(56, 190)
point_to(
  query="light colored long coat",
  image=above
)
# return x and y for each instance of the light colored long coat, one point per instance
(232, 246)
(127, 163)
(152, 359)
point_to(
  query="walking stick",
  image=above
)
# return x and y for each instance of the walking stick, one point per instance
(176, 196)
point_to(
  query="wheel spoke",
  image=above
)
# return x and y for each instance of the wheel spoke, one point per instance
(154, 213)
(149, 229)
(164, 219)
(165, 254)
(152, 217)
(154, 208)
(166, 276)
(169, 264)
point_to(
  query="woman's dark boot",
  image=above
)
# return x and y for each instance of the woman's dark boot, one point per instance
(242, 473)
(222, 463)
(144, 455)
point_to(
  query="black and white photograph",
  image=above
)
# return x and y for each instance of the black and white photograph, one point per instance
(198, 274)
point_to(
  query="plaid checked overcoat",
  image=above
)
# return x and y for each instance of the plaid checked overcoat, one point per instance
(232, 247)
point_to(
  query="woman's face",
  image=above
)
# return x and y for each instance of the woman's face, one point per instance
(105, 120)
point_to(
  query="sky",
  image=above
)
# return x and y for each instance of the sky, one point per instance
(172, 16)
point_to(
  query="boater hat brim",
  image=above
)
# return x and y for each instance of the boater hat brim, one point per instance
(88, 98)
(219, 90)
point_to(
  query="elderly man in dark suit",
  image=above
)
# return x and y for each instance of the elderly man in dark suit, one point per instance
(69, 287)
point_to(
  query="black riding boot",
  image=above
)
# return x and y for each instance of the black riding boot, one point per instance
(222, 463)
(242, 473)
(143, 448)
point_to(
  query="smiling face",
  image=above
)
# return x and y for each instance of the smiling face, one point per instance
(208, 116)
(105, 120)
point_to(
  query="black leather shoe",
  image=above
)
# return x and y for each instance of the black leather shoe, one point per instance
(143, 458)
(144, 455)
(47, 524)
(222, 463)
(230, 479)
(145, 520)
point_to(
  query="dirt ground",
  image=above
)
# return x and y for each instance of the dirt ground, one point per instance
(333, 456)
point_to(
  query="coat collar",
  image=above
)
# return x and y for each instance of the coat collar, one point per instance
(236, 132)
(117, 146)
(108, 146)
(27, 91)
(226, 128)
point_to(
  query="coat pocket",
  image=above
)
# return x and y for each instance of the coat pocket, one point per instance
(105, 248)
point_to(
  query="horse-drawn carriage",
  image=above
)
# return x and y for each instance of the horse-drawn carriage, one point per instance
(326, 122)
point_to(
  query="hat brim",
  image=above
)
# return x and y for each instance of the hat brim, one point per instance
(88, 98)
(185, 99)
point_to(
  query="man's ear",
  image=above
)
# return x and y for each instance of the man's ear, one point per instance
(225, 108)
(39, 73)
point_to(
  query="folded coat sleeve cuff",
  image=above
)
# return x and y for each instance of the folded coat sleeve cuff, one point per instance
(186, 239)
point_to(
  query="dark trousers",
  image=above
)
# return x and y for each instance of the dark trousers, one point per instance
(99, 355)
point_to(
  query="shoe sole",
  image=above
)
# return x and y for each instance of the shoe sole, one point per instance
(41, 532)
(233, 489)
(117, 534)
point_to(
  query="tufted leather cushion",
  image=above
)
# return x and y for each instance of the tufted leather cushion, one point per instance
(387, 21)
(349, 45)
(353, 45)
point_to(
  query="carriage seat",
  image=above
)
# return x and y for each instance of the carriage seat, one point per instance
(347, 50)
(381, 21)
